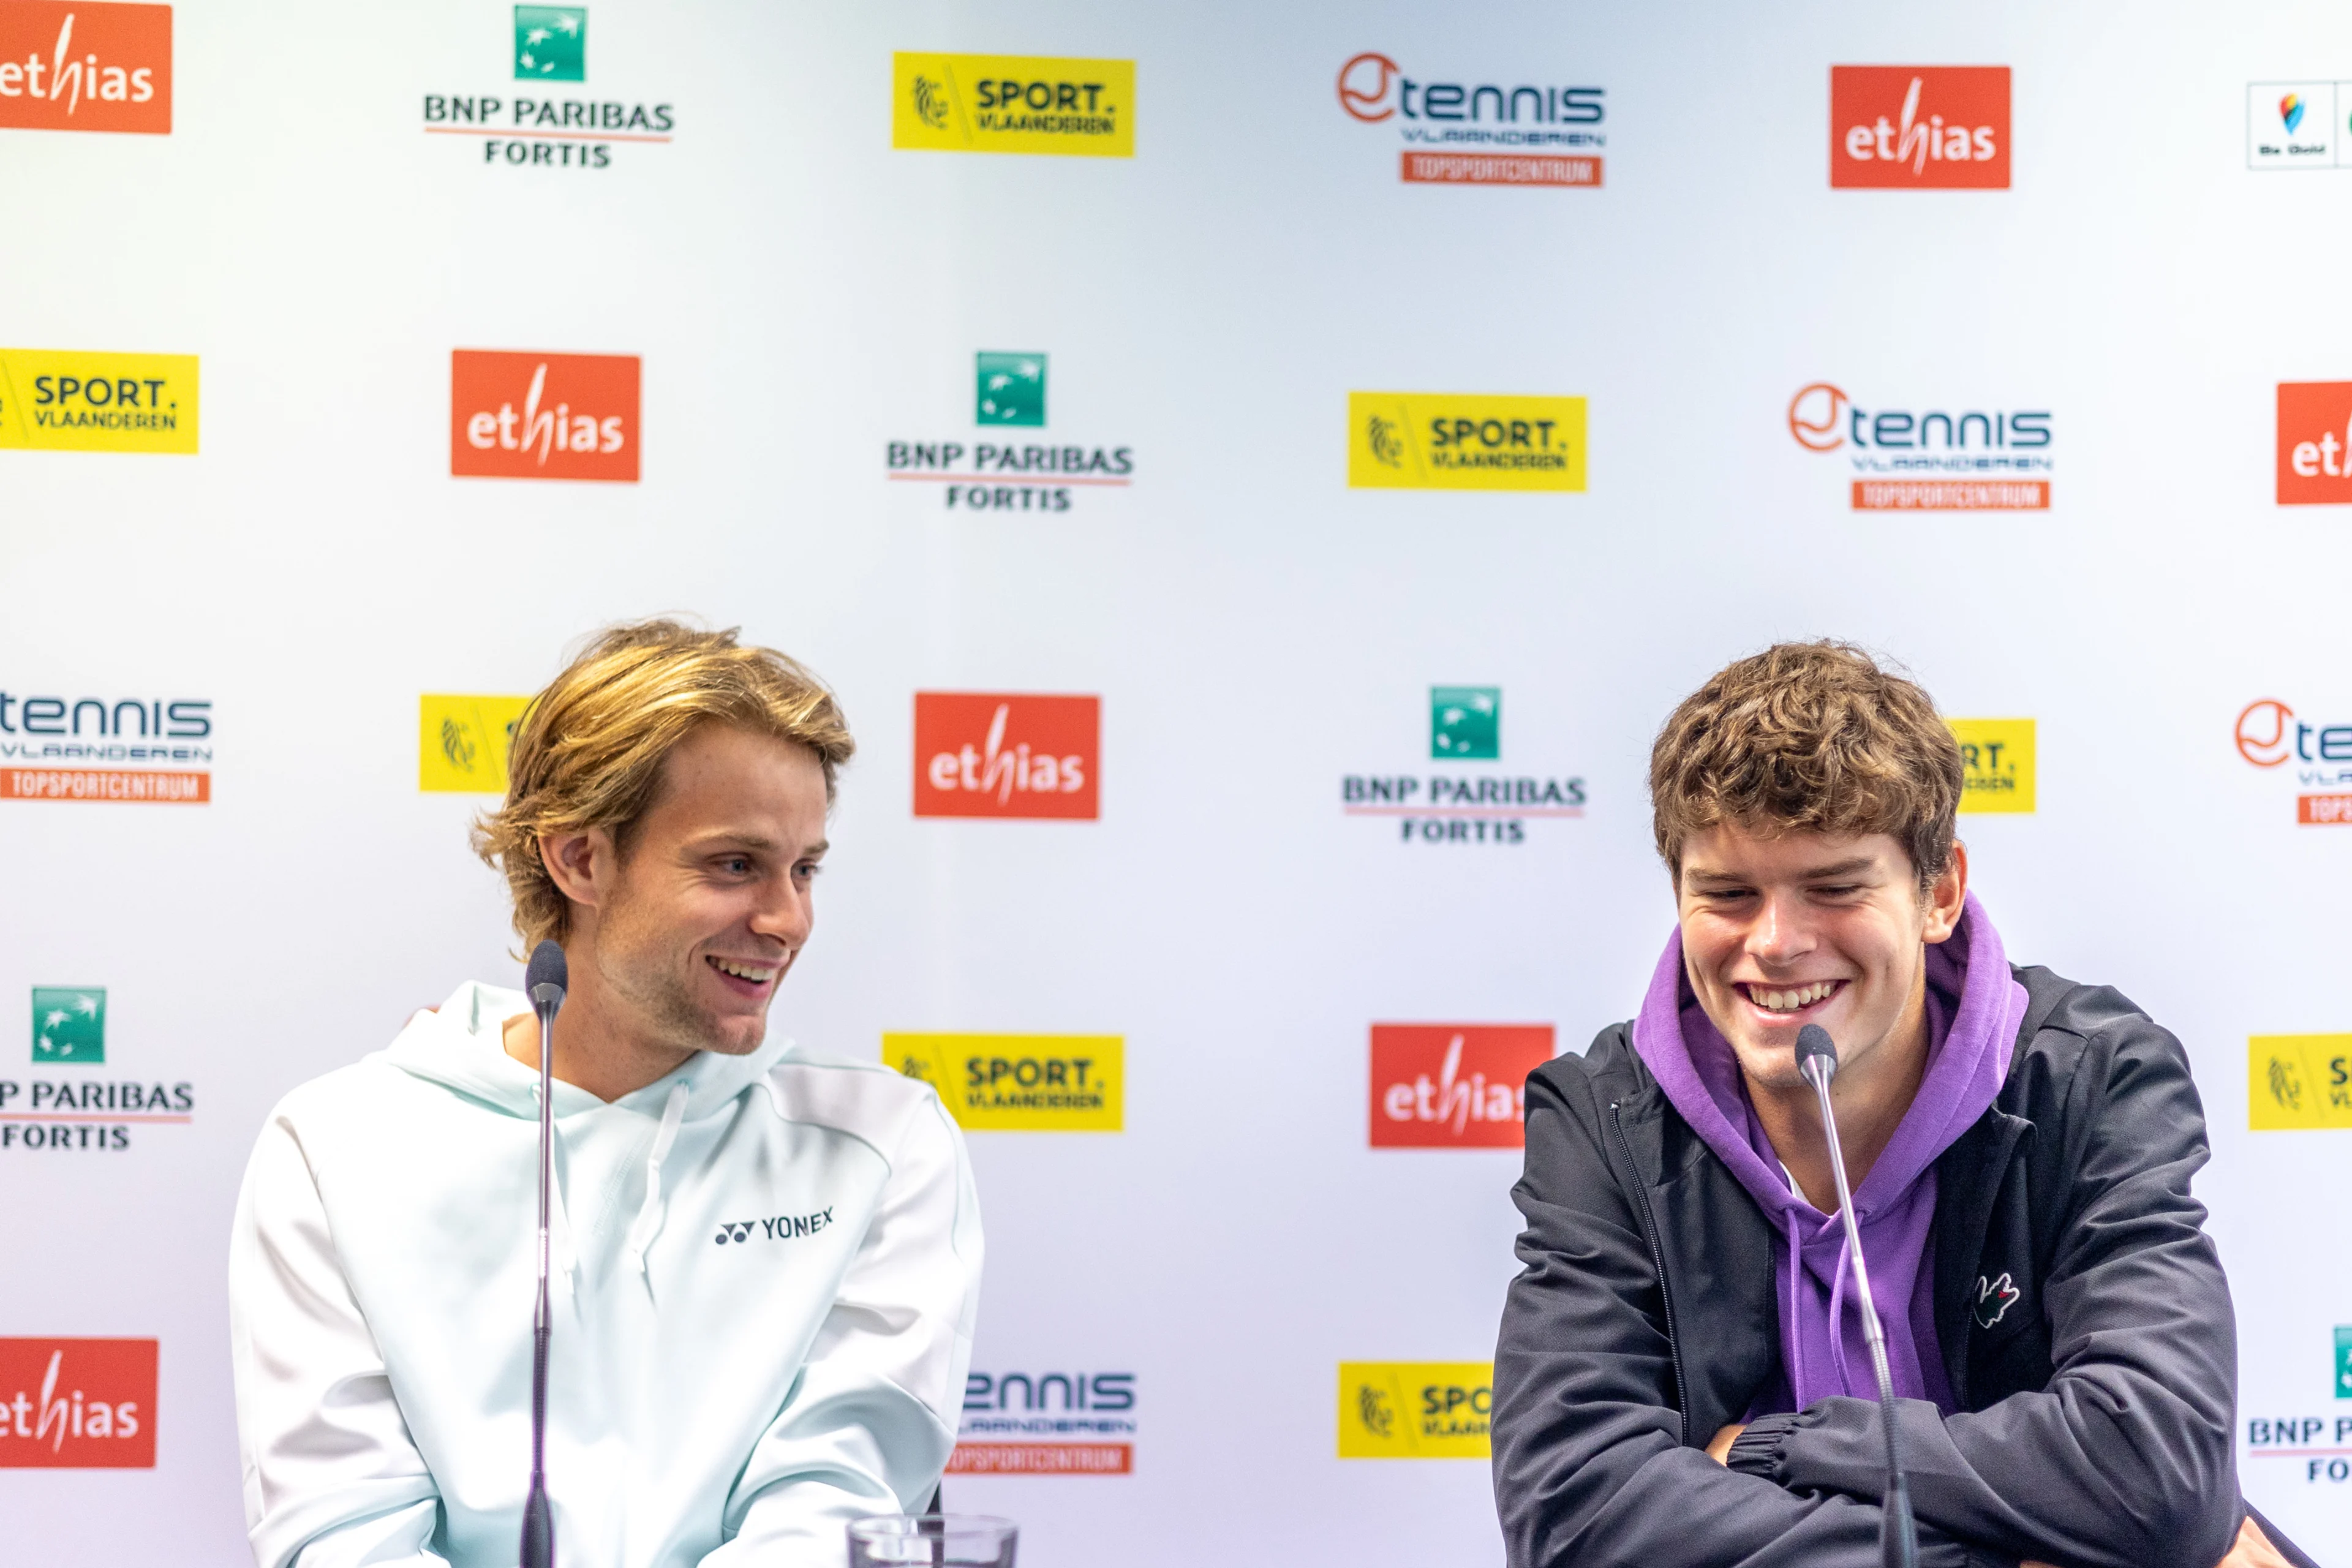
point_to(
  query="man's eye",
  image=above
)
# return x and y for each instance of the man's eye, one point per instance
(739, 865)
(807, 868)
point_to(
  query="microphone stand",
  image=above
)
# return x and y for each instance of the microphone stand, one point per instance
(537, 1520)
(1898, 1532)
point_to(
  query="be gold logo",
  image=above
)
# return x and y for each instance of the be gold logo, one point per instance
(1020, 1083)
(62, 400)
(1999, 757)
(462, 742)
(2298, 1081)
(1415, 1410)
(1434, 441)
(1012, 103)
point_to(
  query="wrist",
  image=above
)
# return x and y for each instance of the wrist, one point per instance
(1757, 1451)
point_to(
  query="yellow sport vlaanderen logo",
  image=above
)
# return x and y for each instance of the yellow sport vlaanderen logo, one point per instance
(1415, 1409)
(2296, 1081)
(64, 400)
(1020, 1083)
(1998, 756)
(462, 742)
(1434, 441)
(1012, 103)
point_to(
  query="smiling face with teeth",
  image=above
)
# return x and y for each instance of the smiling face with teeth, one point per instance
(1786, 930)
(681, 932)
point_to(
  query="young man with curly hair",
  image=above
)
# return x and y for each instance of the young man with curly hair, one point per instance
(1682, 1377)
(767, 1261)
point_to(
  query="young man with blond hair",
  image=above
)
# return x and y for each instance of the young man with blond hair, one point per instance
(1682, 1377)
(766, 1261)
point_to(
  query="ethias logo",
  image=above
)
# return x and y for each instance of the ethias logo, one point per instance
(2315, 443)
(1454, 1086)
(77, 1405)
(578, 418)
(1480, 134)
(1009, 755)
(1919, 127)
(84, 67)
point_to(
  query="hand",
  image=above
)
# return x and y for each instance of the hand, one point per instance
(1719, 1449)
(2252, 1550)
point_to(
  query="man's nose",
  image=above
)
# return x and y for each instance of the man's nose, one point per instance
(786, 914)
(1781, 934)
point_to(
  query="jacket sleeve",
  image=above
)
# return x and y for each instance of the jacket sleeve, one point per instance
(871, 1419)
(2125, 1459)
(331, 1476)
(1592, 1468)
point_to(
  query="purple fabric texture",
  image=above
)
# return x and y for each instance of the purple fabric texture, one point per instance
(1974, 1008)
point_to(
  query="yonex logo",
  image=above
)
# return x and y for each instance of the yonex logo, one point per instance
(781, 1228)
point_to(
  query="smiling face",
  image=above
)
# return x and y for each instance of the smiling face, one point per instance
(710, 904)
(1810, 928)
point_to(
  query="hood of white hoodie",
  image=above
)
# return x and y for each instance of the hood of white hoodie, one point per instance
(461, 1044)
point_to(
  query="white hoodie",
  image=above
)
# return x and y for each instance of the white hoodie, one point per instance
(765, 1274)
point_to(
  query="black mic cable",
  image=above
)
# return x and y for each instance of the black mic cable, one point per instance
(1898, 1532)
(546, 979)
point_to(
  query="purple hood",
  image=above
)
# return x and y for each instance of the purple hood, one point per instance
(1974, 1008)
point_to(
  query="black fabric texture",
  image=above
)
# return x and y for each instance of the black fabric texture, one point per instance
(2081, 1311)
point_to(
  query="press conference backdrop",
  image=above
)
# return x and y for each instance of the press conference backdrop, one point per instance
(1257, 478)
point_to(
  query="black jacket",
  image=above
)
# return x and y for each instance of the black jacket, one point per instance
(2096, 1402)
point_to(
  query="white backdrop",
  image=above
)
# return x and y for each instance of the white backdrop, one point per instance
(801, 295)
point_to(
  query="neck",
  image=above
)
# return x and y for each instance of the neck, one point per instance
(1871, 1097)
(599, 1045)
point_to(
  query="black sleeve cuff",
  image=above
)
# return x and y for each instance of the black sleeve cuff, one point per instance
(1757, 1451)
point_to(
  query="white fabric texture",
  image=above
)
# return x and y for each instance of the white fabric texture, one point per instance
(774, 1267)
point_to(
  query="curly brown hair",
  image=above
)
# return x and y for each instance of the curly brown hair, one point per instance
(1807, 737)
(589, 750)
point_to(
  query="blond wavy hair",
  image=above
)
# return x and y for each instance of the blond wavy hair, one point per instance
(588, 752)
(1808, 737)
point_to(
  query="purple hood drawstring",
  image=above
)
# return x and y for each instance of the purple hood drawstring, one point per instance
(1974, 1008)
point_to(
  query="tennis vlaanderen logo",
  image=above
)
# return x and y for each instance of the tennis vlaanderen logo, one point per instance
(2269, 734)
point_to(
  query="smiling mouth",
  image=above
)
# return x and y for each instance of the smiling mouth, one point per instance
(1788, 999)
(753, 974)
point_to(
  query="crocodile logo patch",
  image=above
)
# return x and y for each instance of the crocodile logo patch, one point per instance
(1994, 1298)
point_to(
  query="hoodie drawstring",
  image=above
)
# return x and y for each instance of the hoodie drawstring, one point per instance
(649, 1222)
(1837, 1309)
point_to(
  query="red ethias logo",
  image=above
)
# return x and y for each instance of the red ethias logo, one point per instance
(542, 416)
(77, 1405)
(1454, 1086)
(1919, 127)
(989, 754)
(85, 66)
(2315, 443)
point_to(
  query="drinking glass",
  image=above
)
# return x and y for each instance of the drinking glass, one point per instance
(933, 1541)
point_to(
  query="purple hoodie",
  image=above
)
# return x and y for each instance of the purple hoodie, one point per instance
(1974, 1008)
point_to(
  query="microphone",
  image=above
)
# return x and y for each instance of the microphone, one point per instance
(546, 979)
(1898, 1532)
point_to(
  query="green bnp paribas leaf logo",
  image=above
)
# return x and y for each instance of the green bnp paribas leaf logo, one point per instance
(551, 43)
(1012, 390)
(68, 1023)
(1465, 722)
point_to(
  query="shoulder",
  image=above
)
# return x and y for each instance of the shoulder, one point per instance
(1608, 1070)
(864, 1099)
(2082, 1042)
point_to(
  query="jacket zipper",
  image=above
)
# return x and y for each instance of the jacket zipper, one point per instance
(1658, 1261)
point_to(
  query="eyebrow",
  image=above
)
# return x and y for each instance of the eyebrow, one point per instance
(754, 841)
(1846, 867)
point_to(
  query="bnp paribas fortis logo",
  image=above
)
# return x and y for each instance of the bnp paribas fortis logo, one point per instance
(1020, 1083)
(66, 400)
(1012, 103)
(551, 43)
(1998, 757)
(1465, 722)
(1415, 1410)
(462, 742)
(1011, 390)
(2297, 1082)
(69, 1023)
(1439, 441)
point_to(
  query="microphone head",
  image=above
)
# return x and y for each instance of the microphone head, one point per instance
(547, 978)
(1812, 1040)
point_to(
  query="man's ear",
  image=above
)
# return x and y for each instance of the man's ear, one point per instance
(581, 865)
(1945, 896)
